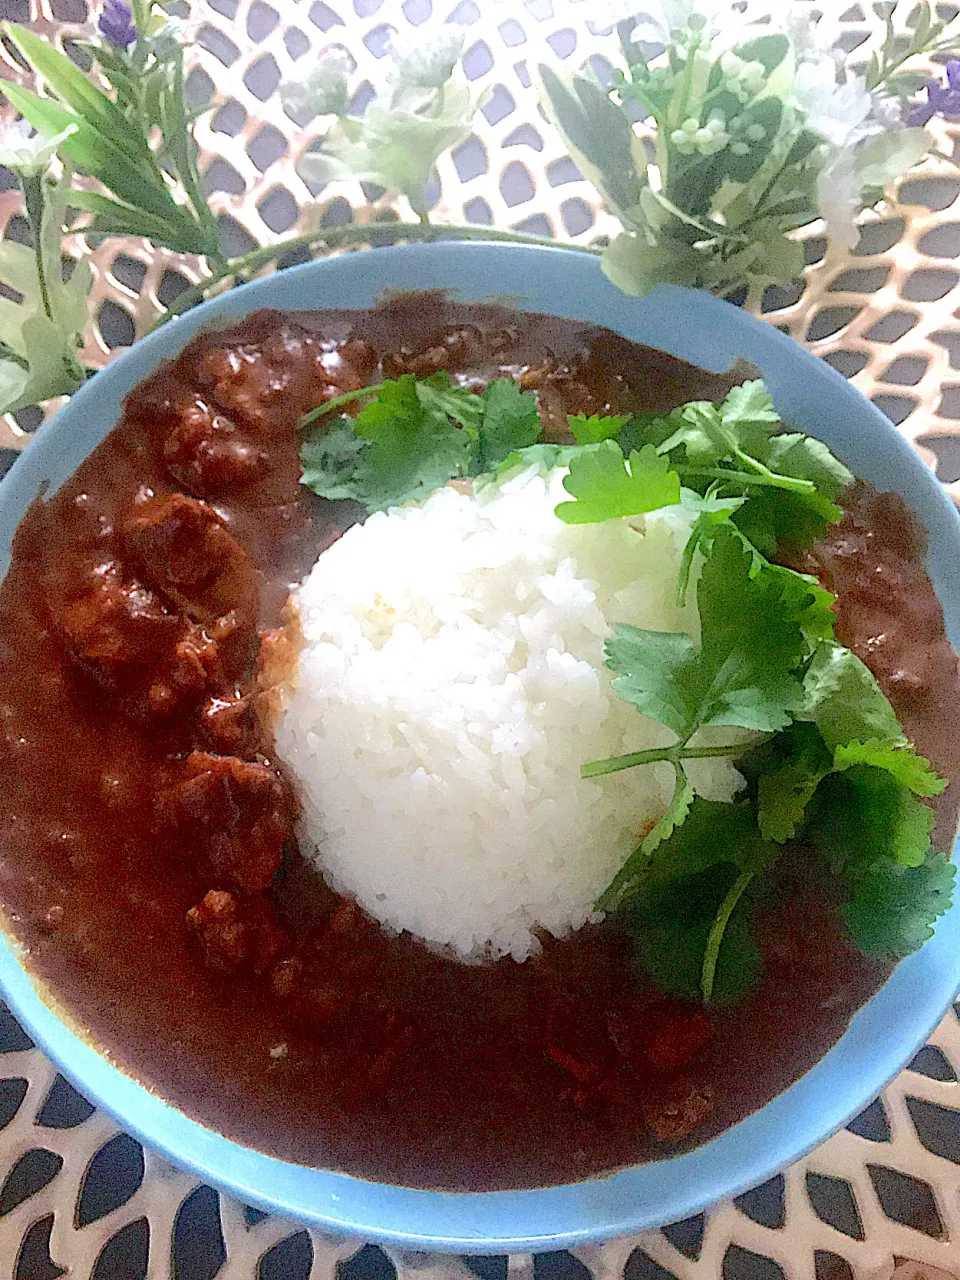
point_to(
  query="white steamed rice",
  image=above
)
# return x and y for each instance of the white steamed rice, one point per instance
(450, 686)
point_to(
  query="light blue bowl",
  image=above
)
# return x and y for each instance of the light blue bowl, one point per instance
(882, 1036)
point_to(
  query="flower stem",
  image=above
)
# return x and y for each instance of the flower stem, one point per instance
(338, 237)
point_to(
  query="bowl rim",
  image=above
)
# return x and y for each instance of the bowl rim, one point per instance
(706, 331)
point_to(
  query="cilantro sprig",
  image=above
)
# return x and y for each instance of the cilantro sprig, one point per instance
(412, 436)
(823, 753)
(835, 769)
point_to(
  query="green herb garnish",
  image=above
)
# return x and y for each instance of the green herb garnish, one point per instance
(823, 752)
(605, 484)
(413, 436)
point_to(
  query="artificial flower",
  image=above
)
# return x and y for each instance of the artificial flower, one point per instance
(38, 345)
(942, 99)
(29, 153)
(813, 36)
(839, 113)
(838, 195)
(427, 61)
(116, 23)
(324, 90)
(660, 22)
(395, 145)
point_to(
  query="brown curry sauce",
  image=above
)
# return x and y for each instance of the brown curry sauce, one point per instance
(147, 860)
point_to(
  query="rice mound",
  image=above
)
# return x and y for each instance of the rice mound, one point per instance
(451, 683)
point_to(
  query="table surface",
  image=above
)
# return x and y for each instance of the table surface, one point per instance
(77, 1195)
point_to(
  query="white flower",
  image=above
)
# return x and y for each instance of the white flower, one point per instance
(426, 61)
(838, 195)
(395, 146)
(657, 20)
(840, 113)
(813, 37)
(324, 90)
(26, 154)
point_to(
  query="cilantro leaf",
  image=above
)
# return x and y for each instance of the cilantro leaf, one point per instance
(902, 762)
(647, 663)
(864, 816)
(691, 926)
(750, 644)
(892, 909)
(440, 397)
(403, 444)
(844, 701)
(546, 456)
(605, 485)
(713, 832)
(510, 421)
(773, 518)
(801, 762)
(412, 446)
(671, 922)
(329, 458)
(805, 458)
(810, 604)
(744, 673)
(789, 480)
(742, 424)
(631, 875)
(596, 427)
(749, 410)
(675, 815)
(713, 512)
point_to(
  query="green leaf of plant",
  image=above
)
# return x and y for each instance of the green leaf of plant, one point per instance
(114, 218)
(675, 815)
(329, 458)
(902, 762)
(596, 131)
(95, 154)
(605, 485)
(635, 266)
(891, 153)
(713, 512)
(596, 427)
(647, 663)
(844, 701)
(750, 645)
(411, 449)
(804, 458)
(74, 89)
(893, 908)
(510, 422)
(809, 604)
(631, 875)
(671, 922)
(439, 396)
(545, 456)
(773, 519)
(785, 790)
(713, 832)
(768, 50)
(865, 816)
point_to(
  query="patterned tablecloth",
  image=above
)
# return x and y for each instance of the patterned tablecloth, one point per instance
(79, 1196)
